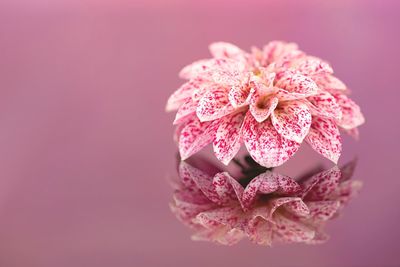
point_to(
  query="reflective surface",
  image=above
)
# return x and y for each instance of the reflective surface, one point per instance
(86, 146)
(261, 205)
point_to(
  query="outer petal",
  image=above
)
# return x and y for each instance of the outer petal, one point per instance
(292, 121)
(323, 210)
(196, 135)
(227, 50)
(264, 143)
(296, 82)
(351, 112)
(187, 109)
(324, 137)
(231, 216)
(312, 66)
(227, 141)
(280, 52)
(196, 69)
(261, 107)
(290, 230)
(182, 94)
(214, 105)
(324, 105)
(226, 188)
(322, 184)
(330, 83)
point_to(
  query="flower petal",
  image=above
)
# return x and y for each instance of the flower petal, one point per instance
(187, 109)
(265, 144)
(280, 52)
(324, 105)
(294, 205)
(324, 137)
(214, 105)
(323, 210)
(226, 50)
(292, 120)
(264, 183)
(223, 188)
(291, 230)
(311, 66)
(261, 107)
(195, 69)
(321, 185)
(231, 216)
(228, 140)
(295, 82)
(182, 94)
(239, 96)
(196, 135)
(351, 112)
(330, 83)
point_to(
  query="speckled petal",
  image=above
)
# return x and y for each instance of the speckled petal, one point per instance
(292, 120)
(324, 105)
(351, 112)
(223, 188)
(288, 230)
(330, 83)
(196, 69)
(281, 52)
(311, 66)
(214, 105)
(182, 94)
(324, 137)
(261, 107)
(323, 210)
(228, 140)
(231, 216)
(187, 109)
(196, 135)
(294, 205)
(322, 184)
(264, 183)
(226, 50)
(265, 144)
(295, 82)
(178, 129)
(239, 96)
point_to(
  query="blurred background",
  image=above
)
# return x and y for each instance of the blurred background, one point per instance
(85, 144)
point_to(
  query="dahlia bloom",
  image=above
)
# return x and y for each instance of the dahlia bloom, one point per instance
(271, 100)
(270, 208)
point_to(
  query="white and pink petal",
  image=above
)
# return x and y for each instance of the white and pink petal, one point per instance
(324, 137)
(228, 139)
(292, 120)
(214, 105)
(265, 145)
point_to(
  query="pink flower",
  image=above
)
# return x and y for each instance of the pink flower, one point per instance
(271, 100)
(272, 207)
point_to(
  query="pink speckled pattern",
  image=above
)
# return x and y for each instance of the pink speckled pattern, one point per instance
(273, 98)
(271, 208)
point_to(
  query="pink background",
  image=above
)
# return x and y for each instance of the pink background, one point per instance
(85, 145)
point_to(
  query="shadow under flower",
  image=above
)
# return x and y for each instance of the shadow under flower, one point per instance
(263, 206)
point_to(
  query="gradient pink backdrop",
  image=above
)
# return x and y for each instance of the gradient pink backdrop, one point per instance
(85, 145)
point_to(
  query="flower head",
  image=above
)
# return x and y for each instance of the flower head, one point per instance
(271, 100)
(271, 207)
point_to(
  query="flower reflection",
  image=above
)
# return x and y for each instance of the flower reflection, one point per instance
(267, 208)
